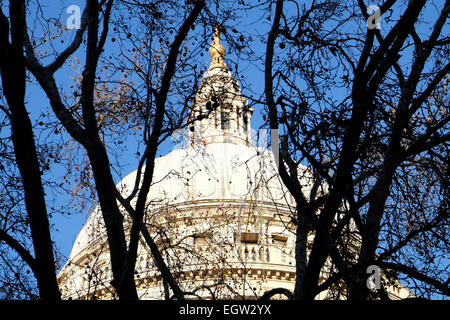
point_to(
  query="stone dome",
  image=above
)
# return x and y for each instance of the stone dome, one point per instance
(216, 172)
(216, 207)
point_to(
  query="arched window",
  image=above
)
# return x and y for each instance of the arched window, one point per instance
(245, 121)
(225, 120)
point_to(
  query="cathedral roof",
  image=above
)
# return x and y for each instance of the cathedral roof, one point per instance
(211, 174)
(218, 163)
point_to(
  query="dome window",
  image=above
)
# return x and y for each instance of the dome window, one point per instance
(203, 239)
(279, 239)
(245, 121)
(225, 120)
(247, 237)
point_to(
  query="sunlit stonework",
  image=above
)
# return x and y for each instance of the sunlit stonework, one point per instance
(217, 210)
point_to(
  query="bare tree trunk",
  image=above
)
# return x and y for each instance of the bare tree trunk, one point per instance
(113, 219)
(358, 289)
(89, 137)
(124, 282)
(301, 246)
(151, 149)
(12, 67)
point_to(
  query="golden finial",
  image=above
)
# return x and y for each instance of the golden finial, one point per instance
(217, 51)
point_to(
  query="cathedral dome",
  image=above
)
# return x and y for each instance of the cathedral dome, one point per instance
(216, 197)
(217, 209)
(211, 173)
